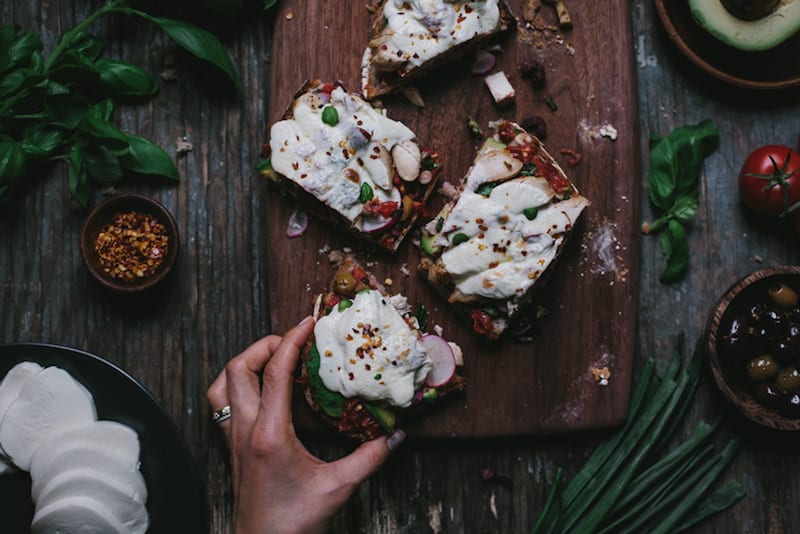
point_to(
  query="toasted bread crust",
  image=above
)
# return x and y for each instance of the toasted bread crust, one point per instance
(376, 83)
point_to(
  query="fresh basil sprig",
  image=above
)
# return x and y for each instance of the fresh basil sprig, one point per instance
(675, 164)
(59, 108)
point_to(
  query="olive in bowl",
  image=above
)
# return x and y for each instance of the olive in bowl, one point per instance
(753, 342)
(129, 242)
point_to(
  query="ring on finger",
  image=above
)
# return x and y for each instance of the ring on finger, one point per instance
(223, 414)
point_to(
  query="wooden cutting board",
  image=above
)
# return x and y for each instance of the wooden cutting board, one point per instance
(512, 388)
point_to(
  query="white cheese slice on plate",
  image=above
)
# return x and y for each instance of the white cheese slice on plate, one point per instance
(76, 514)
(49, 403)
(121, 492)
(10, 387)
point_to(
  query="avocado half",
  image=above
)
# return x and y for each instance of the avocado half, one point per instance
(750, 35)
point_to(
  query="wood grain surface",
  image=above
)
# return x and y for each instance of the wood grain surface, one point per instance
(512, 388)
(217, 302)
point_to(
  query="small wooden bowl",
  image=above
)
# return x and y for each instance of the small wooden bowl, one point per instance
(102, 215)
(741, 292)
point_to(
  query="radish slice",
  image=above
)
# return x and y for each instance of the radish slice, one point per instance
(298, 223)
(444, 363)
(484, 62)
(371, 224)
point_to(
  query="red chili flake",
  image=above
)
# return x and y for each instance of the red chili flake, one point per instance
(132, 246)
(574, 157)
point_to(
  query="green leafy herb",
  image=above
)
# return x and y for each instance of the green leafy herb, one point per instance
(264, 168)
(268, 4)
(421, 314)
(459, 238)
(331, 402)
(474, 129)
(530, 213)
(59, 108)
(485, 189)
(366, 193)
(330, 116)
(344, 304)
(625, 487)
(551, 103)
(675, 164)
(439, 223)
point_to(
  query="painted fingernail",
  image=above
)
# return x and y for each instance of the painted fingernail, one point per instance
(394, 441)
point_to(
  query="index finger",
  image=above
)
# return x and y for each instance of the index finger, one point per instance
(276, 391)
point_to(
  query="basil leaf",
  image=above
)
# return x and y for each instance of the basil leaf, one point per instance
(197, 41)
(675, 161)
(41, 142)
(78, 177)
(331, 402)
(86, 45)
(18, 50)
(678, 253)
(124, 79)
(12, 161)
(685, 207)
(102, 165)
(144, 157)
(104, 132)
(12, 83)
(102, 110)
(65, 112)
(330, 116)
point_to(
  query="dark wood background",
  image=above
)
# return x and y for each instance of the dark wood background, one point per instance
(176, 342)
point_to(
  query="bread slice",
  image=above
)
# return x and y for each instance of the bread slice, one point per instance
(496, 241)
(409, 38)
(368, 362)
(348, 164)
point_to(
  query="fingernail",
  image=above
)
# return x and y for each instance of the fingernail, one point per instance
(394, 441)
(306, 320)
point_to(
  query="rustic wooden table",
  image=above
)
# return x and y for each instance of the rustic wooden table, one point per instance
(217, 302)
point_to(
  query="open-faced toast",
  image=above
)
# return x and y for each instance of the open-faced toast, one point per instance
(493, 245)
(348, 164)
(368, 361)
(409, 38)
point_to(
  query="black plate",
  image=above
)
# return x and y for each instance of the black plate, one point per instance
(175, 501)
(777, 68)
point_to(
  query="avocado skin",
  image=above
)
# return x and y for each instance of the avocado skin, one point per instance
(749, 35)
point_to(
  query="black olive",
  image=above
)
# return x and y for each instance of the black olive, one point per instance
(782, 351)
(783, 295)
(791, 407)
(773, 320)
(767, 394)
(793, 335)
(755, 313)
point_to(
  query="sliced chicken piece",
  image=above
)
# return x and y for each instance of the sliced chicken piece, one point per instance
(50, 403)
(121, 492)
(106, 444)
(76, 515)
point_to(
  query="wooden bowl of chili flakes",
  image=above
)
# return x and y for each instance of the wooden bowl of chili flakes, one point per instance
(129, 242)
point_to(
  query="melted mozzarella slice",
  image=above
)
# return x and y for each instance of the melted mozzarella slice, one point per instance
(369, 351)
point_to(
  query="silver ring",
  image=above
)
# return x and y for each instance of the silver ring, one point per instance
(223, 414)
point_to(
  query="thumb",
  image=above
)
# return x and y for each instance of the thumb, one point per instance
(363, 462)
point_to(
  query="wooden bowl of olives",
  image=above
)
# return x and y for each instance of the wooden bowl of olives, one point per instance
(753, 338)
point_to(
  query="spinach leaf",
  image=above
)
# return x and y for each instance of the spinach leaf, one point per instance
(675, 164)
(197, 41)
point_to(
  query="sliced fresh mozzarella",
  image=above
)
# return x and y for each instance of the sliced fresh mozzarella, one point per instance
(49, 403)
(76, 515)
(13, 382)
(123, 493)
(105, 444)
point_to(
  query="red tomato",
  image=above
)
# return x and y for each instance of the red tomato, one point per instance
(769, 182)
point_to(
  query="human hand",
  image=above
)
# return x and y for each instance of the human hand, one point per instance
(278, 485)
